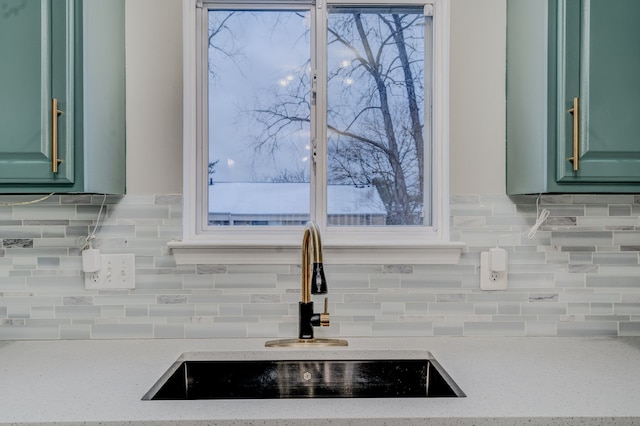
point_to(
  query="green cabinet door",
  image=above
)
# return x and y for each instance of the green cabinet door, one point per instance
(599, 66)
(565, 51)
(36, 66)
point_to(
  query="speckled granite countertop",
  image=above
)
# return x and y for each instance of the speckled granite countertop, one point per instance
(508, 381)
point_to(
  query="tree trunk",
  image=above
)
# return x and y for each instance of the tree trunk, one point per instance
(414, 109)
(402, 212)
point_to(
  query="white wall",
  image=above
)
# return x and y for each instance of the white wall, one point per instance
(154, 97)
(478, 66)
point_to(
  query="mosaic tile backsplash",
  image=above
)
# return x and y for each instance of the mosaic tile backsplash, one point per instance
(579, 275)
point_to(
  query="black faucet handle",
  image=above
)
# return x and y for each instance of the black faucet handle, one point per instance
(318, 280)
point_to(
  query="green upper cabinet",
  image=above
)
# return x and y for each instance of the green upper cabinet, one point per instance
(572, 82)
(61, 117)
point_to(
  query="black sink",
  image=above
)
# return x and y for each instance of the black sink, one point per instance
(305, 378)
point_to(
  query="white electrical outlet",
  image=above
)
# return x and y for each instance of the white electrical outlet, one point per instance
(490, 279)
(117, 271)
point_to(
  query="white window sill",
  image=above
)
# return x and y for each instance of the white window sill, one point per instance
(205, 253)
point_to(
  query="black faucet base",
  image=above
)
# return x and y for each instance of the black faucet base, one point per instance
(306, 320)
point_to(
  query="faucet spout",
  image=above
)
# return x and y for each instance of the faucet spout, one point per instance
(313, 279)
(313, 282)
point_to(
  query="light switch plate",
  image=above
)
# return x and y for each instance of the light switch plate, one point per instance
(117, 271)
(491, 280)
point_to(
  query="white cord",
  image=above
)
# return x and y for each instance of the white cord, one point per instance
(542, 216)
(92, 234)
(24, 203)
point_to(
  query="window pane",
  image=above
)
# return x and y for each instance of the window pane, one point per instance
(259, 110)
(378, 143)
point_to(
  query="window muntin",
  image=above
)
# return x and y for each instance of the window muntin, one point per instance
(434, 229)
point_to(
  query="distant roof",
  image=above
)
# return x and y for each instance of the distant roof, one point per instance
(254, 198)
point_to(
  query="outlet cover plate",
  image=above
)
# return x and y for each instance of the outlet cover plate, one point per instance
(491, 280)
(117, 271)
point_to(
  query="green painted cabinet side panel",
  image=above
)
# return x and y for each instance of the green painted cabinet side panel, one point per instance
(104, 105)
(526, 121)
(527, 96)
(33, 47)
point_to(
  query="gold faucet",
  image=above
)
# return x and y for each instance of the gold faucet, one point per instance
(313, 282)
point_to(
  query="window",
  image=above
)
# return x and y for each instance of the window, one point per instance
(331, 111)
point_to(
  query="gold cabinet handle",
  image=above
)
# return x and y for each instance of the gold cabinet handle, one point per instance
(576, 147)
(55, 113)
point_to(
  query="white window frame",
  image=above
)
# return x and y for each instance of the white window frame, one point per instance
(342, 244)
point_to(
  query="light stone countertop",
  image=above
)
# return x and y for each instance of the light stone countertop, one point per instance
(508, 381)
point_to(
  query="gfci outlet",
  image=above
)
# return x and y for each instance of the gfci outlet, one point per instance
(490, 279)
(117, 271)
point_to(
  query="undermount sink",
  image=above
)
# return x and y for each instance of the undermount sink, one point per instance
(197, 376)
